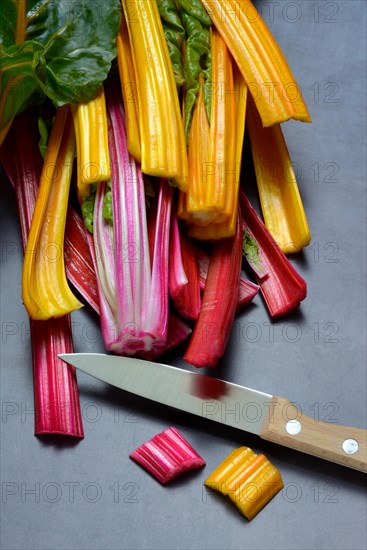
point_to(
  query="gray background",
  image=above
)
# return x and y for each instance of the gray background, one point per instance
(89, 495)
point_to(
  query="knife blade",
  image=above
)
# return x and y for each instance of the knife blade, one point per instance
(273, 418)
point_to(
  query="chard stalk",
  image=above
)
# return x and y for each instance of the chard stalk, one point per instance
(90, 123)
(247, 289)
(78, 261)
(196, 57)
(56, 400)
(129, 90)
(282, 287)
(215, 231)
(167, 455)
(249, 480)
(45, 290)
(259, 59)
(280, 199)
(163, 146)
(212, 329)
(156, 315)
(184, 272)
(132, 286)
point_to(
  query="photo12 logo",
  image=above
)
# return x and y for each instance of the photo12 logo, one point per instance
(51, 492)
(92, 412)
(238, 413)
(292, 493)
(318, 12)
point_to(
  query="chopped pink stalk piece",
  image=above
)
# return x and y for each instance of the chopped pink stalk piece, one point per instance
(282, 287)
(167, 455)
(56, 399)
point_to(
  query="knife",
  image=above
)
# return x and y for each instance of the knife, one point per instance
(273, 418)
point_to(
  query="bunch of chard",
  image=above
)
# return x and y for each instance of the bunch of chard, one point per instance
(136, 161)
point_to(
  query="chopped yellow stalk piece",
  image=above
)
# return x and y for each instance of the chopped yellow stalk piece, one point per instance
(228, 228)
(220, 171)
(163, 144)
(129, 90)
(217, 479)
(249, 480)
(91, 131)
(45, 289)
(280, 199)
(258, 56)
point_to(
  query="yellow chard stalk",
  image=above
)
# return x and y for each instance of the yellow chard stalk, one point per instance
(281, 203)
(212, 162)
(91, 131)
(249, 480)
(220, 171)
(163, 145)
(192, 206)
(228, 228)
(129, 90)
(258, 56)
(45, 289)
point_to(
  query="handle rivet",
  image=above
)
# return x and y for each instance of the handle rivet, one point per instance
(350, 446)
(293, 427)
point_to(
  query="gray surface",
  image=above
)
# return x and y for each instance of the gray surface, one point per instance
(324, 370)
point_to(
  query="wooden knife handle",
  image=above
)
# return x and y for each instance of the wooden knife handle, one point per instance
(286, 425)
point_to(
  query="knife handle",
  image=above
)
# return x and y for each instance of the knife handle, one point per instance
(286, 425)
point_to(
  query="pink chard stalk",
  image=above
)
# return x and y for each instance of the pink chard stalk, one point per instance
(167, 455)
(247, 289)
(184, 285)
(131, 253)
(56, 399)
(283, 289)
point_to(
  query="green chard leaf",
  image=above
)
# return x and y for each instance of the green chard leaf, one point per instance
(197, 58)
(208, 85)
(44, 129)
(196, 9)
(251, 252)
(18, 85)
(88, 207)
(174, 33)
(107, 211)
(56, 48)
